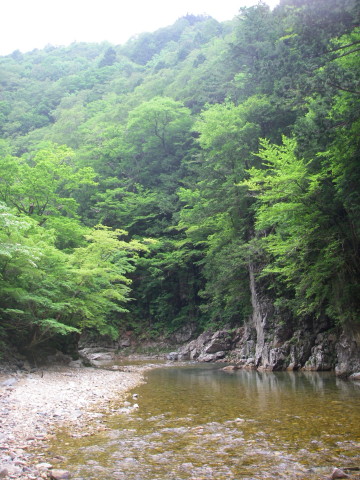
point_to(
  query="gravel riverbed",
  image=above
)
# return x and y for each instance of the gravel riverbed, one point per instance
(34, 405)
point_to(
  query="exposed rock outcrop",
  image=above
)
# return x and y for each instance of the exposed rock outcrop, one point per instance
(208, 347)
(348, 351)
(273, 340)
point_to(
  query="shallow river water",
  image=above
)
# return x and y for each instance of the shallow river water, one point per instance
(200, 422)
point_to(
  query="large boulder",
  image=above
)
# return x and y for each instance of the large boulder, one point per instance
(96, 357)
(220, 341)
(208, 347)
(323, 353)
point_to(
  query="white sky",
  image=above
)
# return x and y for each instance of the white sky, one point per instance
(29, 24)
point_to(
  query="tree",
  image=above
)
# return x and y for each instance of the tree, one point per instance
(42, 184)
(46, 292)
(306, 232)
(109, 58)
(158, 137)
(217, 212)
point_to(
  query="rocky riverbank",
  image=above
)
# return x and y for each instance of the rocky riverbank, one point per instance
(272, 350)
(273, 339)
(33, 405)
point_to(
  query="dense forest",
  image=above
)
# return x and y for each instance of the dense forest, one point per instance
(142, 184)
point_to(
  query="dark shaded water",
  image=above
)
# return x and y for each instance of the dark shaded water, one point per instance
(199, 422)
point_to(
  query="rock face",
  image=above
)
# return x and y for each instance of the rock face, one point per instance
(348, 351)
(273, 340)
(208, 347)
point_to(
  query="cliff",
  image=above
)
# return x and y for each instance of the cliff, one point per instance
(273, 340)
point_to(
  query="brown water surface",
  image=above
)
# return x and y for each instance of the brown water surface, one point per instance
(200, 422)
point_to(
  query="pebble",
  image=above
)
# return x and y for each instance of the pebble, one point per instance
(43, 466)
(33, 405)
(59, 474)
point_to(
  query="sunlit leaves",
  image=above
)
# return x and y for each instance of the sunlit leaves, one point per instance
(42, 184)
(47, 292)
(301, 230)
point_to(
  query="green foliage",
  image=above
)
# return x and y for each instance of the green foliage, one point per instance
(105, 149)
(166, 282)
(46, 291)
(42, 184)
(310, 247)
(143, 48)
(216, 214)
(158, 132)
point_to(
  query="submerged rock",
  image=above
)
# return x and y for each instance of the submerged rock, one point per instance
(59, 475)
(338, 473)
(230, 368)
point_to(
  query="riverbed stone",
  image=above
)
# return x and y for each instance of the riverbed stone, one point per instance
(60, 474)
(230, 368)
(338, 473)
(43, 466)
(9, 382)
(27, 412)
(4, 472)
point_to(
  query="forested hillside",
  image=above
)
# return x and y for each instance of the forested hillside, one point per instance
(142, 185)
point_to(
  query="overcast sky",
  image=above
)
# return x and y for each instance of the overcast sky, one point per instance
(29, 24)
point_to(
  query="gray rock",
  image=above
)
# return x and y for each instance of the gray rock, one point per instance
(4, 472)
(172, 356)
(220, 341)
(208, 347)
(77, 414)
(273, 339)
(43, 466)
(184, 334)
(76, 364)
(211, 357)
(102, 356)
(9, 382)
(9, 470)
(95, 358)
(348, 351)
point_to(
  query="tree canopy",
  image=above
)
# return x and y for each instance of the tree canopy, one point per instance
(140, 184)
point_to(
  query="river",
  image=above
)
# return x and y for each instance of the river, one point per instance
(199, 422)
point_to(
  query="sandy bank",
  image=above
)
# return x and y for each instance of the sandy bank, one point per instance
(33, 405)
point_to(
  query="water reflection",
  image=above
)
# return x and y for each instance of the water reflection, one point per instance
(201, 422)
